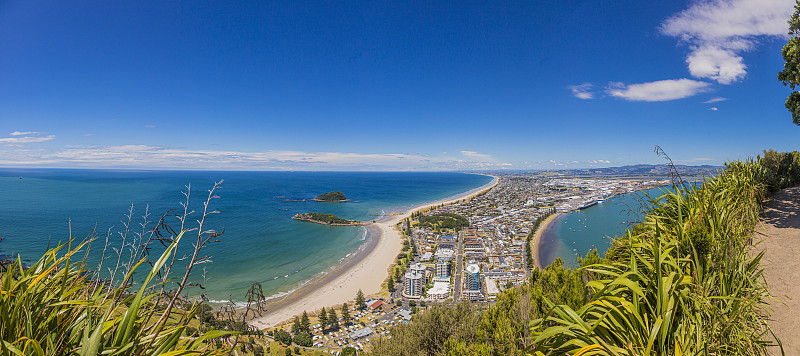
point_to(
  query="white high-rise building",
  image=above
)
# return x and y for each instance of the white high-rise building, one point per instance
(415, 282)
(442, 269)
(418, 268)
(473, 276)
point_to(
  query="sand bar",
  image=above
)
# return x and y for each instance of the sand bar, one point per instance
(537, 239)
(365, 269)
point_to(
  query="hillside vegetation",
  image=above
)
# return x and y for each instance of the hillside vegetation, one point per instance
(58, 306)
(684, 281)
(324, 218)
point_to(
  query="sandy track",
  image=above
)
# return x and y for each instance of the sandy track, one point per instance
(781, 243)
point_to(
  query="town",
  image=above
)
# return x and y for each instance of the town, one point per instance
(472, 249)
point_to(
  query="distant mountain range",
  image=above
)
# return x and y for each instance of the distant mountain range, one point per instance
(653, 170)
(637, 170)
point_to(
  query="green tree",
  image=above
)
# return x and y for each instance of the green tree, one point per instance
(305, 325)
(303, 339)
(345, 314)
(439, 331)
(348, 351)
(360, 302)
(296, 328)
(323, 318)
(390, 285)
(288, 352)
(333, 320)
(283, 337)
(790, 75)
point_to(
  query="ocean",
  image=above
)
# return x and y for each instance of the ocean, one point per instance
(261, 243)
(575, 234)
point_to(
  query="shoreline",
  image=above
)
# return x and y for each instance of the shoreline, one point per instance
(537, 239)
(366, 269)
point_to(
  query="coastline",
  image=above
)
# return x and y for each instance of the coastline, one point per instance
(537, 239)
(366, 269)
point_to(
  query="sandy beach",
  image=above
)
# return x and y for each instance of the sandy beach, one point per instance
(537, 239)
(366, 269)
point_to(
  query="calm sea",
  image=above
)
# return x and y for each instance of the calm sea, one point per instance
(261, 242)
(575, 234)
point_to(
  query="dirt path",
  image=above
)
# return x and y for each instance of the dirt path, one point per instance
(781, 243)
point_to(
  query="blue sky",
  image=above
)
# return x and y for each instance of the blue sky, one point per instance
(423, 85)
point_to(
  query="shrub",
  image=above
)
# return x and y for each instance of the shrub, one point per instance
(303, 339)
(283, 337)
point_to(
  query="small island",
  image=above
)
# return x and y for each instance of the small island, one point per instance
(327, 219)
(331, 197)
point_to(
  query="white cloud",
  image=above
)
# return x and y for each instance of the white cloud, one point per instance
(18, 133)
(476, 155)
(582, 91)
(714, 108)
(714, 100)
(718, 31)
(161, 157)
(662, 90)
(715, 63)
(25, 139)
(599, 161)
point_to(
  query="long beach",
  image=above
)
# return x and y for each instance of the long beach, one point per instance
(537, 239)
(366, 269)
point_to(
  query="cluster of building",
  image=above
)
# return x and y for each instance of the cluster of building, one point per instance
(480, 261)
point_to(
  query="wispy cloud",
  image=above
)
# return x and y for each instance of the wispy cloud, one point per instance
(714, 100)
(718, 31)
(662, 90)
(583, 91)
(713, 108)
(26, 139)
(476, 155)
(162, 157)
(18, 133)
(599, 161)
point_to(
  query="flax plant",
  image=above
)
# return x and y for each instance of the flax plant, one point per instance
(59, 307)
(680, 283)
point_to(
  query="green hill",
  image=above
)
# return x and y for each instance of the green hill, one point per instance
(331, 196)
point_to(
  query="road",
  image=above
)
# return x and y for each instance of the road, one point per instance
(459, 268)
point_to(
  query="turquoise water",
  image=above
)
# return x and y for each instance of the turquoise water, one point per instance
(261, 242)
(575, 234)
